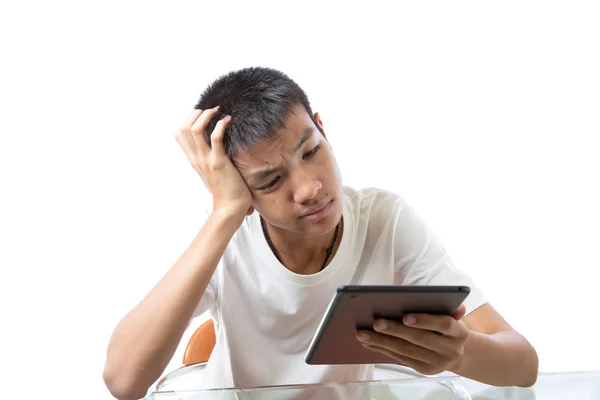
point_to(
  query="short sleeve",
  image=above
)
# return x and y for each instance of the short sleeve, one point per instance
(420, 259)
(209, 299)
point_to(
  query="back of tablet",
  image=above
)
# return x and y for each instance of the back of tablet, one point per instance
(357, 307)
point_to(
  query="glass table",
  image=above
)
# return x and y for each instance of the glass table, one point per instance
(549, 386)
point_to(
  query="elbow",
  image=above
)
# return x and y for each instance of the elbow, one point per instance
(531, 370)
(121, 387)
(529, 381)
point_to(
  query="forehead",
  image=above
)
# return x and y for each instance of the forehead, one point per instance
(298, 128)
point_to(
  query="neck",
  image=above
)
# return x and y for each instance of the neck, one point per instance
(300, 253)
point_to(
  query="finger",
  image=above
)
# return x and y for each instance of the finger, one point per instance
(418, 336)
(444, 324)
(216, 138)
(198, 129)
(402, 347)
(191, 119)
(184, 138)
(186, 146)
(402, 360)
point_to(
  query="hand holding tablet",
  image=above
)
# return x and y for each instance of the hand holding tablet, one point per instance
(348, 333)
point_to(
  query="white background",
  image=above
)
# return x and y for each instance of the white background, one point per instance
(484, 116)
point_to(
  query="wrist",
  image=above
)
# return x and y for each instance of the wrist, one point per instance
(461, 364)
(227, 217)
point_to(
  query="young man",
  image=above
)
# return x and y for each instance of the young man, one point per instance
(282, 235)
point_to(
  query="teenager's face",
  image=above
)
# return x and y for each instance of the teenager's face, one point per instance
(294, 176)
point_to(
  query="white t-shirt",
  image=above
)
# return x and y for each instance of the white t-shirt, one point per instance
(265, 315)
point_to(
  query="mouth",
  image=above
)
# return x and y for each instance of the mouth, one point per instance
(316, 210)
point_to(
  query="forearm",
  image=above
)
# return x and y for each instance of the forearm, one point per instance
(147, 337)
(502, 359)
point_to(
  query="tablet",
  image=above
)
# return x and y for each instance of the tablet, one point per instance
(357, 307)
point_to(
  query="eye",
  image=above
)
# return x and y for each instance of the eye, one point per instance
(311, 152)
(270, 184)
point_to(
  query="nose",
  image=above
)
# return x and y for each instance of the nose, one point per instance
(306, 187)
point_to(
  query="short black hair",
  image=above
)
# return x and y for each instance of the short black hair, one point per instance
(259, 99)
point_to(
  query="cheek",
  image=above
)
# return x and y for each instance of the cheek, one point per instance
(336, 170)
(330, 162)
(329, 174)
(269, 206)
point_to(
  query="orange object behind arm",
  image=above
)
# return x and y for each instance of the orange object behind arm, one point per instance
(201, 344)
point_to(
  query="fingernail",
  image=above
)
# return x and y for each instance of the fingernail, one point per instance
(364, 336)
(410, 319)
(217, 107)
(380, 325)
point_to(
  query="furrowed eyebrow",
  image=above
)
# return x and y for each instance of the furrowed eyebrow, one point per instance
(265, 173)
(306, 134)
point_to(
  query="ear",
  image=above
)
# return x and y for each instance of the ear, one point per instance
(320, 123)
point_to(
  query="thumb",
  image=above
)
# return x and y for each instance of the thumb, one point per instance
(460, 312)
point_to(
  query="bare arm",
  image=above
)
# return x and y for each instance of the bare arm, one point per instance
(482, 346)
(145, 339)
(495, 353)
